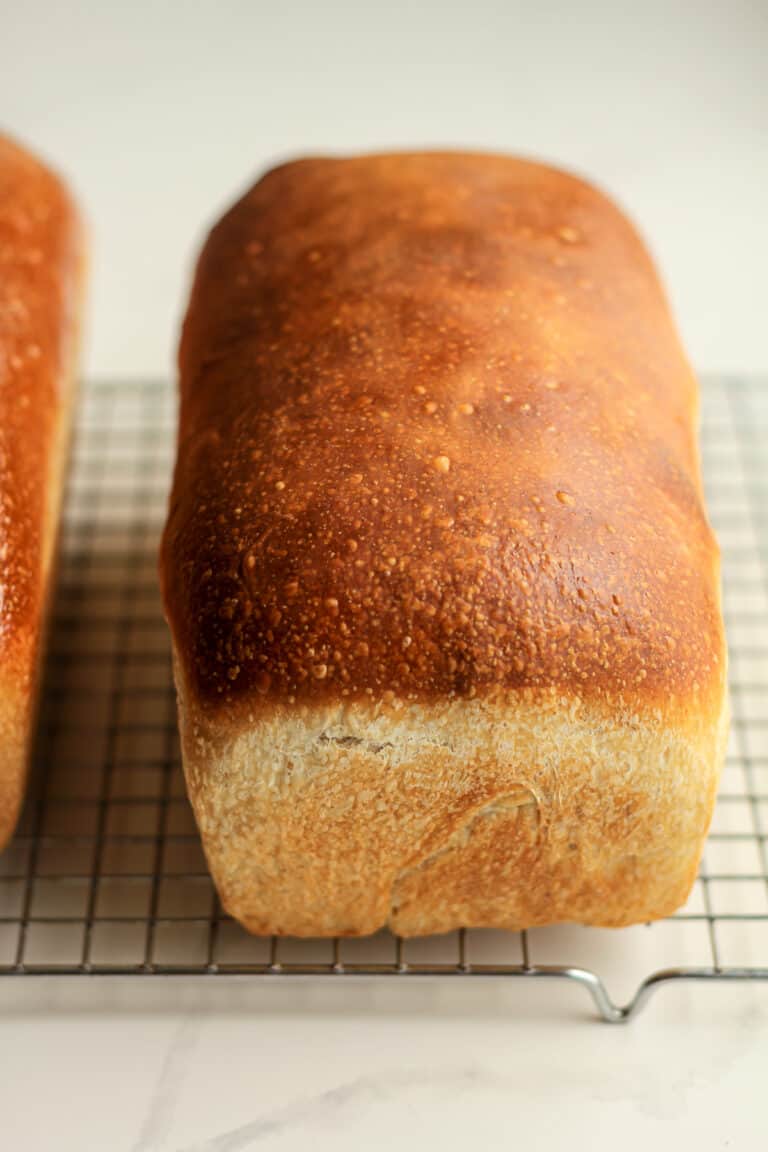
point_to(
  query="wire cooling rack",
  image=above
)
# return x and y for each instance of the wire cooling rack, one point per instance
(106, 874)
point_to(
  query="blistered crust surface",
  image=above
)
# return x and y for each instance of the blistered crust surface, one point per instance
(437, 437)
(40, 284)
(39, 263)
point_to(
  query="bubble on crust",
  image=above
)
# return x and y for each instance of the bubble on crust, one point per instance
(568, 234)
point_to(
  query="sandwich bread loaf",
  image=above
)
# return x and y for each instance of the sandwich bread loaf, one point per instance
(41, 258)
(443, 595)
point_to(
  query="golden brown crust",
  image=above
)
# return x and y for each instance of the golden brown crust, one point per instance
(437, 437)
(40, 271)
(443, 595)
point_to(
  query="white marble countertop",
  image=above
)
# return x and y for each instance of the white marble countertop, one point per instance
(159, 114)
(186, 1067)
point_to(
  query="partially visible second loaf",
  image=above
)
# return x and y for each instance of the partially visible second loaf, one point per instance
(41, 262)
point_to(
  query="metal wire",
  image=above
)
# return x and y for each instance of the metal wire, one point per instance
(106, 875)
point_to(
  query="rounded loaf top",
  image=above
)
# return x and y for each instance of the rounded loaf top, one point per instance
(437, 438)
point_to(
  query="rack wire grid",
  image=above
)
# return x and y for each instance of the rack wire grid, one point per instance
(106, 874)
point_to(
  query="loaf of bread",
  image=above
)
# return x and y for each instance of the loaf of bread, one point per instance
(443, 596)
(40, 277)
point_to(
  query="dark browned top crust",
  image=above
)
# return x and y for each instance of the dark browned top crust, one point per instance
(39, 289)
(437, 436)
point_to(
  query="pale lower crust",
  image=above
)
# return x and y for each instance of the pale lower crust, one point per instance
(338, 820)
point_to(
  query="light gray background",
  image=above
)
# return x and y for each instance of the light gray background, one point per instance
(161, 112)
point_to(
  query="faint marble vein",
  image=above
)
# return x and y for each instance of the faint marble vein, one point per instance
(330, 1103)
(159, 1117)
